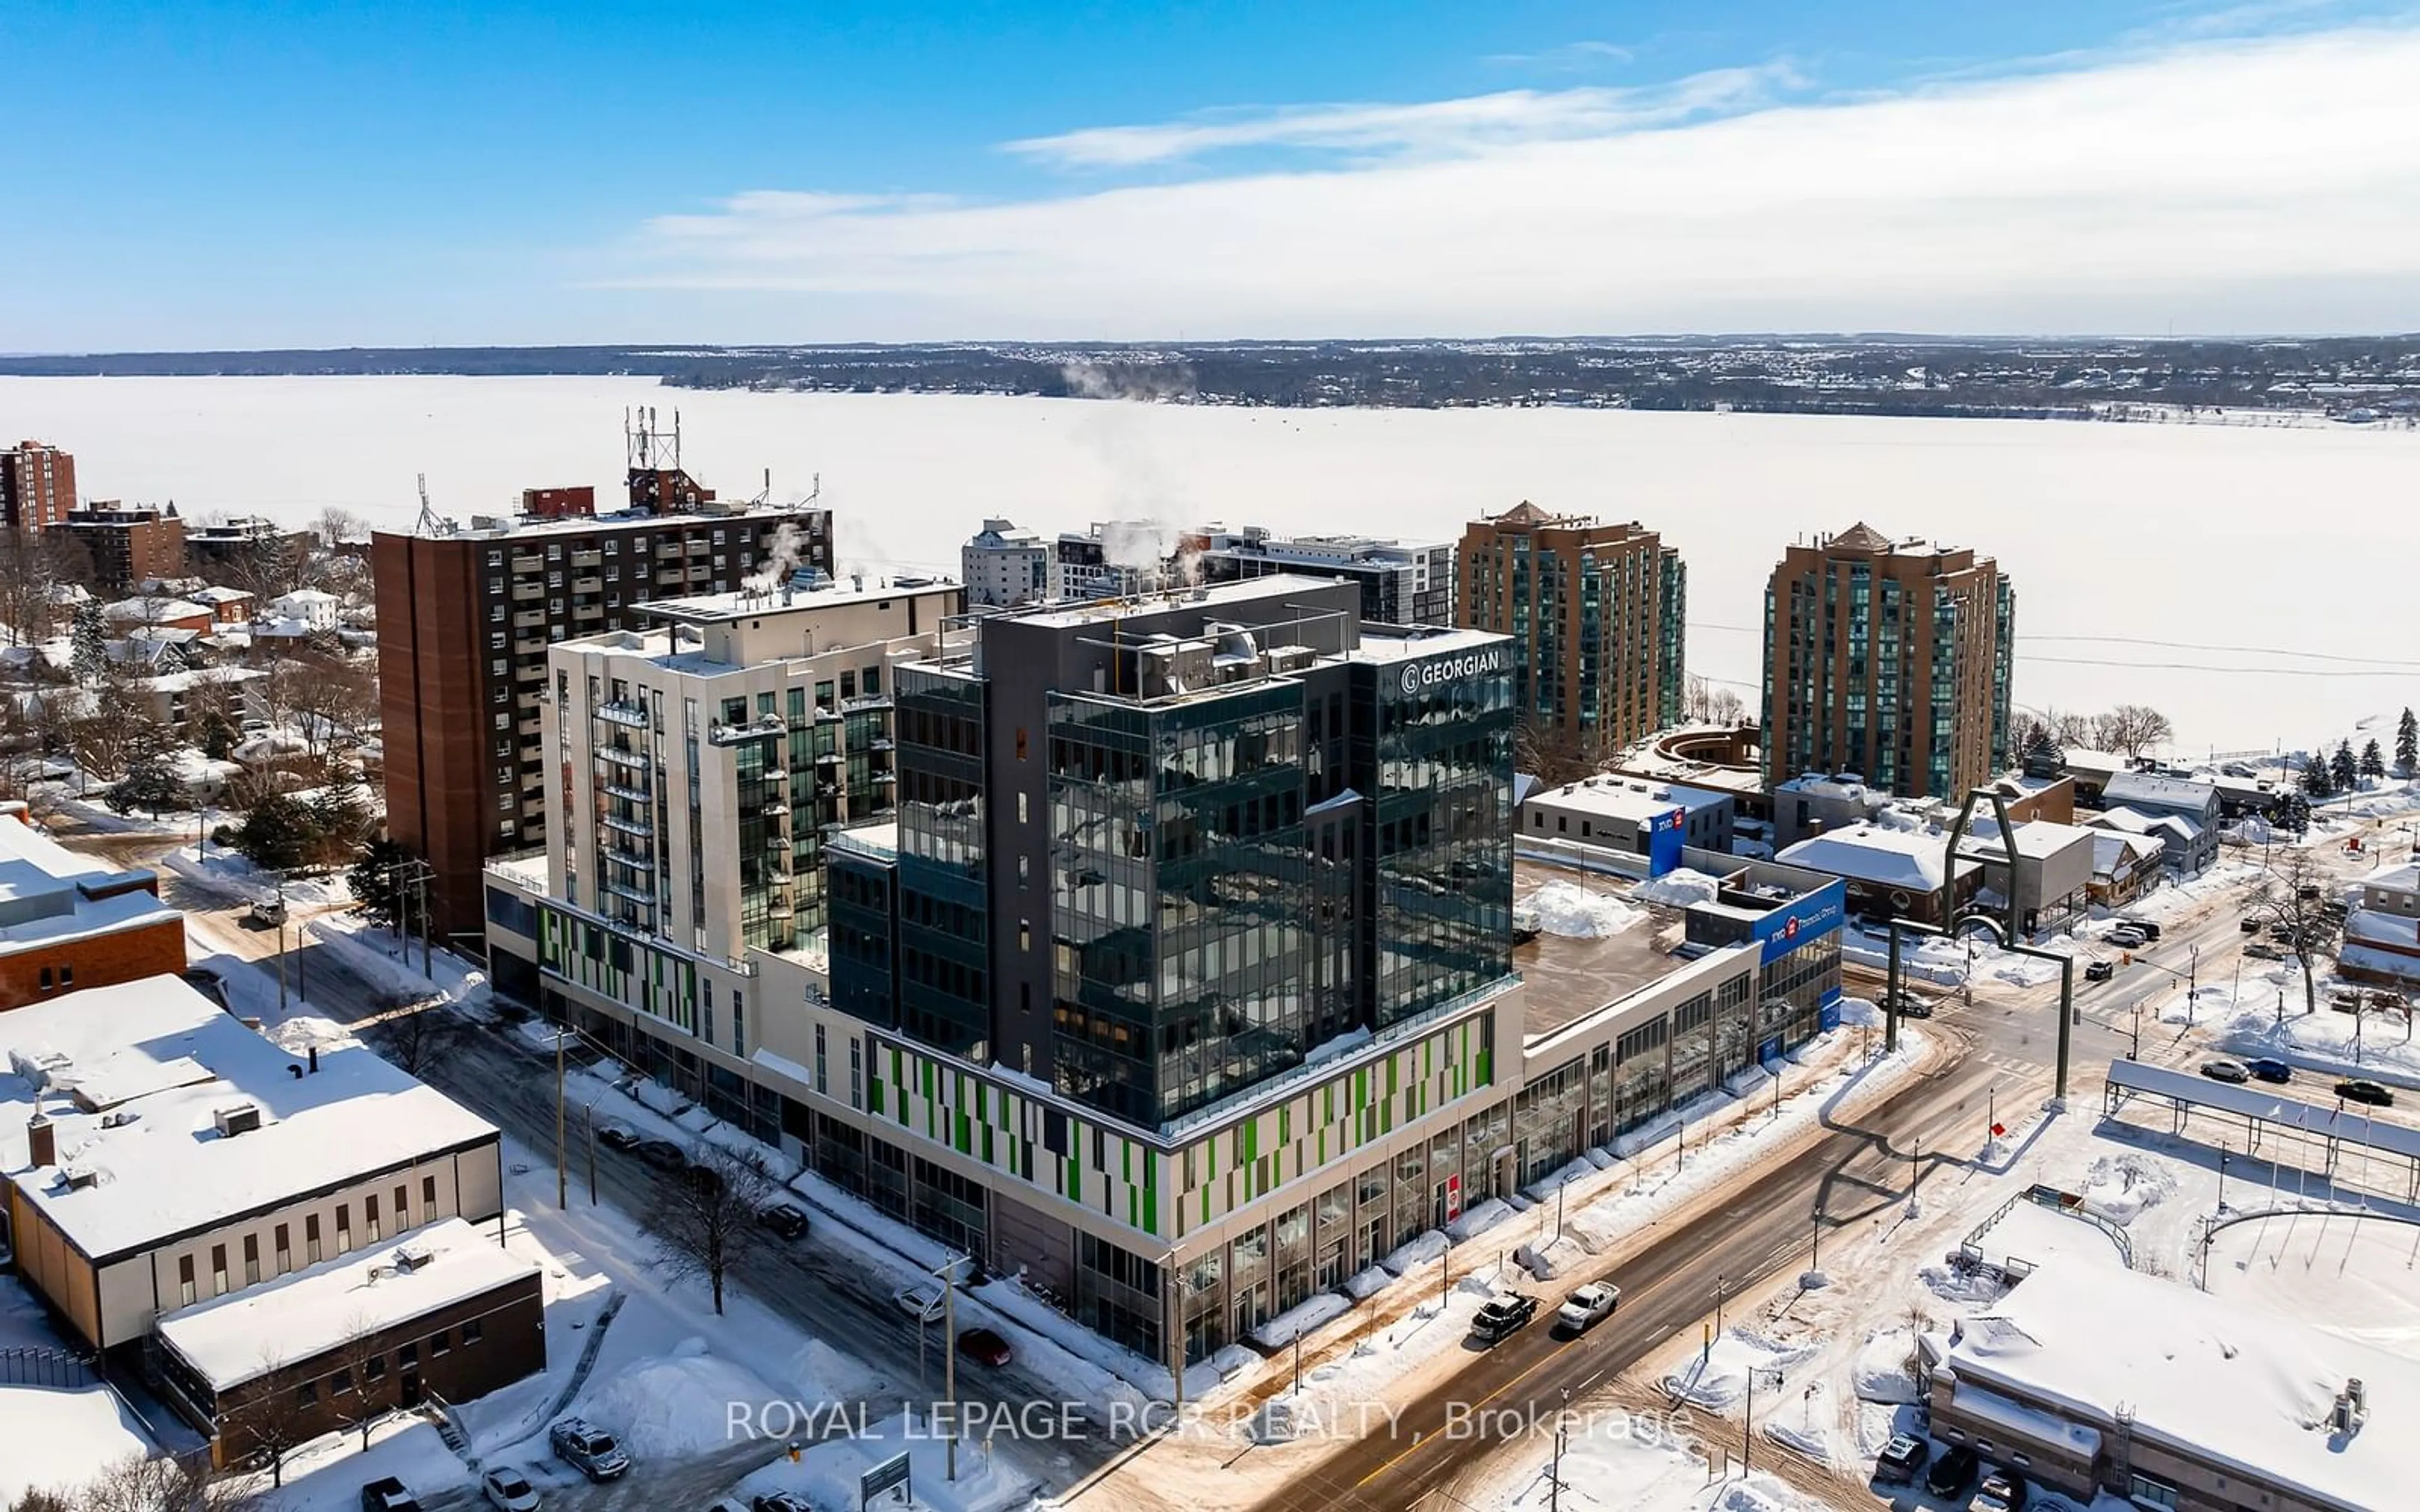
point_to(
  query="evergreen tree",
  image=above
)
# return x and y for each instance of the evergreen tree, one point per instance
(2373, 761)
(276, 833)
(90, 640)
(2407, 746)
(152, 779)
(372, 878)
(2316, 781)
(2343, 770)
(2293, 813)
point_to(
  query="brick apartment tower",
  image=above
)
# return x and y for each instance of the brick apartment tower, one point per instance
(465, 617)
(1888, 660)
(129, 543)
(36, 486)
(1596, 612)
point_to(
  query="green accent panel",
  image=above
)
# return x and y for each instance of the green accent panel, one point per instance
(874, 1097)
(1323, 1147)
(1075, 1178)
(1205, 1204)
(1251, 1132)
(1361, 1089)
(1151, 1173)
(1386, 1118)
(1285, 1124)
(1394, 1064)
(1125, 1163)
(966, 1135)
(986, 1142)
(1133, 1212)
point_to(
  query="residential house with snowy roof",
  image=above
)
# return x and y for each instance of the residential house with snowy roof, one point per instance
(2154, 796)
(2124, 866)
(1890, 871)
(2381, 937)
(318, 610)
(2090, 1378)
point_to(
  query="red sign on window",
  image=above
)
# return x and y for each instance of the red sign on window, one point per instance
(1452, 1197)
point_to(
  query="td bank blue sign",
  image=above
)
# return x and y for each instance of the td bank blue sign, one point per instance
(1665, 835)
(1810, 919)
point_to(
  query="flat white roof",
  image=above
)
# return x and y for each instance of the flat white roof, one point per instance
(42, 896)
(1634, 798)
(245, 1334)
(2236, 1385)
(159, 1051)
(2037, 838)
(2404, 877)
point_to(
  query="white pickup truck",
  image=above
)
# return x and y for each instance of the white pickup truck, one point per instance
(1585, 1308)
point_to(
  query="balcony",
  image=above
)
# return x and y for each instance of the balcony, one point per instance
(633, 715)
(777, 774)
(529, 672)
(866, 704)
(529, 589)
(588, 583)
(635, 861)
(698, 547)
(636, 894)
(699, 572)
(532, 646)
(669, 551)
(529, 619)
(534, 807)
(587, 611)
(631, 826)
(628, 758)
(527, 562)
(764, 727)
(628, 794)
(586, 559)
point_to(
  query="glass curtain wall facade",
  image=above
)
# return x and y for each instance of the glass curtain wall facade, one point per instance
(1437, 758)
(1180, 898)
(944, 921)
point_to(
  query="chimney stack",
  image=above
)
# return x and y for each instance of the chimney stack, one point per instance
(314, 1054)
(41, 1141)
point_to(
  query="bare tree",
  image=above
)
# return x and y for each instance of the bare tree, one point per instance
(105, 736)
(330, 701)
(2079, 731)
(2292, 900)
(34, 563)
(416, 1036)
(337, 525)
(2134, 730)
(276, 1422)
(703, 1218)
(1557, 757)
(357, 1389)
(164, 1484)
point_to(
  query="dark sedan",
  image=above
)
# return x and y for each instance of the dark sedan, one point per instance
(984, 1347)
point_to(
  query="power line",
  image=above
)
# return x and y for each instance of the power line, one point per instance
(2256, 650)
(2205, 667)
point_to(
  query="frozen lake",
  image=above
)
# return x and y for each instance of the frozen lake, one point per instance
(2254, 583)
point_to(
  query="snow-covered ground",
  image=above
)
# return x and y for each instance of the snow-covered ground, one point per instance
(54, 1437)
(1613, 1464)
(1577, 912)
(2350, 1274)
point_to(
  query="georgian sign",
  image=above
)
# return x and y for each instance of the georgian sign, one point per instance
(1418, 675)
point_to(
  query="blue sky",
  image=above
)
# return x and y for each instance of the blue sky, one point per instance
(222, 174)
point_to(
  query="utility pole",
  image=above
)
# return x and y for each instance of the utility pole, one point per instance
(1297, 1362)
(1559, 1208)
(561, 1033)
(1816, 1262)
(949, 1272)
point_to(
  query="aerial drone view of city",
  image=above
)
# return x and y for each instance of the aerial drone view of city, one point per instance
(959, 758)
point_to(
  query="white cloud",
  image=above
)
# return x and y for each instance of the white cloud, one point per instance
(2244, 186)
(1444, 126)
(1572, 57)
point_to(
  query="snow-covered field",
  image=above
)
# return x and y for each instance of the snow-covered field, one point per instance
(1729, 490)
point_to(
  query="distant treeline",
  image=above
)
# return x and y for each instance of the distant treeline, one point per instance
(1860, 374)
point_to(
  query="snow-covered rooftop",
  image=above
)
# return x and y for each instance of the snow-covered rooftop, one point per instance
(2037, 838)
(159, 1051)
(231, 1339)
(1908, 859)
(48, 892)
(2135, 822)
(2158, 790)
(2234, 1385)
(1635, 799)
(2110, 846)
(2394, 878)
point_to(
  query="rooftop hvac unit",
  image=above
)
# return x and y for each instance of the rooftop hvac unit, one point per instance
(243, 1117)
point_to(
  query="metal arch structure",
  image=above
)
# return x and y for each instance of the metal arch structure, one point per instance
(2004, 930)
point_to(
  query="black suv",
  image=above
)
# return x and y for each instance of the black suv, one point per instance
(387, 1494)
(1900, 1460)
(1952, 1473)
(1500, 1316)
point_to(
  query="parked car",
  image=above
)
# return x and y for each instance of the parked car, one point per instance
(269, 912)
(2101, 971)
(2248, 925)
(1910, 1006)
(2232, 1071)
(984, 1347)
(661, 1153)
(1900, 1460)
(2263, 951)
(2308, 890)
(779, 1501)
(2144, 927)
(616, 1134)
(1586, 1307)
(587, 1449)
(1502, 1317)
(1952, 1473)
(922, 1302)
(386, 1494)
(2126, 939)
(2268, 1068)
(783, 1219)
(508, 1490)
(2359, 1090)
(703, 1178)
(2004, 1491)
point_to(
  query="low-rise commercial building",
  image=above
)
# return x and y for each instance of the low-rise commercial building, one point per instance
(1402, 582)
(1005, 564)
(2053, 882)
(2381, 937)
(157, 1154)
(2186, 846)
(2193, 842)
(442, 1312)
(68, 920)
(2090, 1378)
(2124, 866)
(1626, 813)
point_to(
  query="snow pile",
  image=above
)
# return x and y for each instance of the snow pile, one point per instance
(1368, 1283)
(1965, 1286)
(1548, 1258)
(1418, 1252)
(1805, 1429)
(1679, 889)
(58, 1440)
(1883, 1372)
(1301, 1318)
(2118, 1187)
(829, 1474)
(1479, 1219)
(1861, 1012)
(673, 1405)
(823, 1372)
(1717, 1378)
(1572, 911)
(1759, 1492)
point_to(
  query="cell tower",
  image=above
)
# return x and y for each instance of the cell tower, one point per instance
(648, 446)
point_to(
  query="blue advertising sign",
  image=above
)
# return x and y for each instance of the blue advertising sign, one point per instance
(1666, 834)
(1810, 917)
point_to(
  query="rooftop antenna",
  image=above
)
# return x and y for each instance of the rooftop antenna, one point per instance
(645, 441)
(428, 523)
